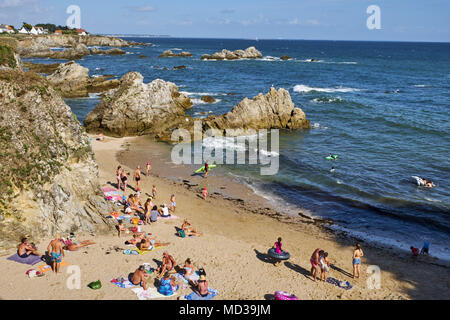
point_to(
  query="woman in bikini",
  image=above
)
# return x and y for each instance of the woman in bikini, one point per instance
(189, 271)
(74, 246)
(147, 208)
(189, 230)
(357, 254)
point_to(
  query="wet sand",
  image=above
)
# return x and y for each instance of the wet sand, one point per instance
(238, 227)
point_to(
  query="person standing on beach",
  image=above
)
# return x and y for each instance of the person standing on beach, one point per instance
(154, 192)
(56, 252)
(315, 262)
(357, 254)
(149, 166)
(324, 266)
(172, 203)
(119, 176)
(137, 176)
(206, 169)
(124, 178)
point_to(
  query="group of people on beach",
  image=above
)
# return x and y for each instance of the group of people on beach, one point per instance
(55, 249)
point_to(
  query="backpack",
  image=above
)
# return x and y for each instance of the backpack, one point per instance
(181, 234)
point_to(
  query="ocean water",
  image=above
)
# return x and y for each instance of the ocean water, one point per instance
(383, 107)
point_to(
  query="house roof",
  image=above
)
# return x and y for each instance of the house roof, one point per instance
(81, 30)
(58, 31)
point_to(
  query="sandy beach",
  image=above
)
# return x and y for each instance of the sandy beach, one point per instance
(232, 250)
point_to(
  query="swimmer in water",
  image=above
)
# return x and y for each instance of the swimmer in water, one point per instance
(332, 169)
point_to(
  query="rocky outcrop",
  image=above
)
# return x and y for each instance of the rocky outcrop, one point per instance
(40, 46)
(48, 176)
(114, 51)
(169, 53)
(179, 67)
(46, 68)
(274, 110)
(136, 108)
(285, 57)
(208, 99)
(75, 53)
(72, 81)
(249, 53)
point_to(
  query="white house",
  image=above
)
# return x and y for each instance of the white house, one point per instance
(33, 31)
(39, 30)
(4, 28)
(23, 30)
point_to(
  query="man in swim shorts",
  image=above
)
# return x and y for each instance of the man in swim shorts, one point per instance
(168, 263)
(139, 277)
(137, 176)
(56, 251)
(26, 249)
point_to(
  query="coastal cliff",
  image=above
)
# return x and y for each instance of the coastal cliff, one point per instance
(48, 176)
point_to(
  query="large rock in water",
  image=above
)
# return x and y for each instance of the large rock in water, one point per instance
(48, 176)
(72, 81)
(274, 110)
(136, 108)
(169, 53)
(249, 53)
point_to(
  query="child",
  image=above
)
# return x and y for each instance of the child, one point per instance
(149, 166)
(138, 190)
(277, 245)
(121, 228)
(154, 192)
(414, 251)
(204, 193)
(172, 205)
(324, 263)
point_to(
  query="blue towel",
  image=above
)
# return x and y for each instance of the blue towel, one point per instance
(194, 296)
(31, 259)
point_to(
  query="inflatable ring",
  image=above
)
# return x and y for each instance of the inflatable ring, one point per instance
(280, 256)
(283, 295)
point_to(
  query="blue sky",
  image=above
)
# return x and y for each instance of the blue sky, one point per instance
(401, 20)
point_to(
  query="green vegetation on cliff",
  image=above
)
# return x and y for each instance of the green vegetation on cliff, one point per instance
(7, 58)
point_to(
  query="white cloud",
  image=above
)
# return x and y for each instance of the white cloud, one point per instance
(16, 3)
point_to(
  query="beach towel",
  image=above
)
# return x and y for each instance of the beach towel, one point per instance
(340, 284)
(30, 260)
(44, 268)
(150, 293)
(123, 283)
(194, 296)
(132, 252)
(168, 218)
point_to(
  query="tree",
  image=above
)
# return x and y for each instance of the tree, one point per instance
(27, 26)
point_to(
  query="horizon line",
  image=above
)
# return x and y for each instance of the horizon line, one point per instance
(262, 39)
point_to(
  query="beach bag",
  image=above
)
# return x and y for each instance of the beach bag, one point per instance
(95, 285)
(181, 233)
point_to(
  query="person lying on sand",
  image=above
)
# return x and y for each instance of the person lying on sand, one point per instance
(189, 230)
(139, 277)
(100, 137)
(315, 262)
(168, 263)
(77, 245)
(137, 238)
(150, 243)
(26, 249)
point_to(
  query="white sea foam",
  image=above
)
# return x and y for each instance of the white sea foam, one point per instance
(200, 101)
(268, 153)
(176, 49)
(420, 85)
(304, 88)
(203, 93)
(224, 143)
